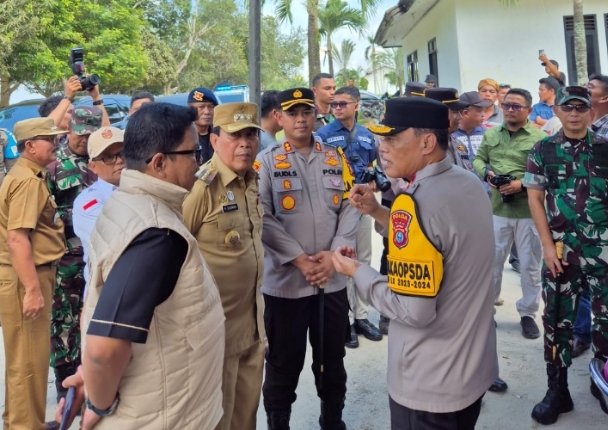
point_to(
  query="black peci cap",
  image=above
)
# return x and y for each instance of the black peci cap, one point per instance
(296, 96)
(447, 96)
(411, 112)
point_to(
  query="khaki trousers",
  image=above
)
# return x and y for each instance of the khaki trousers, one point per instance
(27, 350)
(242, 386)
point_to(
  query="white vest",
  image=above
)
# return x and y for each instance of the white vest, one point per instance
(174, 380)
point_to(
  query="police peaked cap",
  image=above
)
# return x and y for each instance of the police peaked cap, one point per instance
(296, 96)
(411, 112)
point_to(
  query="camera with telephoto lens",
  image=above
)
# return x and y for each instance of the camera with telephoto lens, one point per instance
(500, 180)
(77, 64)
(376, 174)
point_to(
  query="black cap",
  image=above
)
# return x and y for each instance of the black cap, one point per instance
(202, 95)
(411, 112)
(472, 99)
(447, 96)
(414, 89)
(555, 63)
(296, 96)
(430, 78)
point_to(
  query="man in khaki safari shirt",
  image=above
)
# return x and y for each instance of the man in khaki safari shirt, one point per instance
(224, 213)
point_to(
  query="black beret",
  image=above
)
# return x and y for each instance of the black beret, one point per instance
(411, 112)
(296, 96)
(202, 95)
(447, 96)
(414, 89)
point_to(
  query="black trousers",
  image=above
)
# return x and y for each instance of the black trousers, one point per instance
(287, 321)
(404, 418)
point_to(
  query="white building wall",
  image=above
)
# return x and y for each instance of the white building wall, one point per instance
(382, 83)
(503, 43)
(439, 23)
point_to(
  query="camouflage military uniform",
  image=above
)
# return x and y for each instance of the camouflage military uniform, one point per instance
(69, 175)
(574, 175)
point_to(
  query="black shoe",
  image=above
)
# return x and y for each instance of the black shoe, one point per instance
(515, 266)
(368, 330)
(353, 342)
(557, 400)
(331, 415)
(578, 347)
(595, 392)
(529, 328)
(498, 386)
(278, 420)
(383, 326)
(52, 425)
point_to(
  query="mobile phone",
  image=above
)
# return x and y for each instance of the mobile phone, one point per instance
(67, 408)
(541, 52)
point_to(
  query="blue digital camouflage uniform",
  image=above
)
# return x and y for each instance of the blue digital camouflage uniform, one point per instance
(574, 174)
(69, 175)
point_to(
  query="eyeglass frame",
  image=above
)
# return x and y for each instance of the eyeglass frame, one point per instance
(511, 106)
(198, 153)
(341, 105)
(105, 157)
(576, 108)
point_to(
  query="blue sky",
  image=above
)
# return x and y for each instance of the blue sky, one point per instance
(299, 20)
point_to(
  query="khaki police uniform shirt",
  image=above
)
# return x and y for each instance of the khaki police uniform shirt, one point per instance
(305, 212)
(25, 202)
(224, 213)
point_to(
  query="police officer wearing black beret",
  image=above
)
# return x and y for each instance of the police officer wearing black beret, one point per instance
(438, 292)
(204, 101)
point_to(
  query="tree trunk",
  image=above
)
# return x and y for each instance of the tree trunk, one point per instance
(330, 54)
(7, 87)
(374, 69)
(580, 43)
(314, 56)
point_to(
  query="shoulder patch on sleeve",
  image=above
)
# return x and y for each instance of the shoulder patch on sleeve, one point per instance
(90, 204)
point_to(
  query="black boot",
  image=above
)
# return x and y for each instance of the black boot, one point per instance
(278, 420)
(557, 400)
(331, 415)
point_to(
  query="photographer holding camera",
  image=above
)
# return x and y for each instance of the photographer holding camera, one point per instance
(358, 144)
(501, 161)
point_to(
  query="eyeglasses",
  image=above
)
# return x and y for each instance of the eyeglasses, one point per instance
(109, 159)
(341, 105)
(198, 153)
(516, 108)
(50, 139)
(578, 108)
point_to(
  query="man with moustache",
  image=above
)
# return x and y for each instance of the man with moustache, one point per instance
(204, 101)
(224, 212)
(567, 174)
(488, 91)
(433, 304)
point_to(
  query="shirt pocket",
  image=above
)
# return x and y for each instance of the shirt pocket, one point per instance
(556, 177)
(288, 195)
(230, 230)
(333, 192)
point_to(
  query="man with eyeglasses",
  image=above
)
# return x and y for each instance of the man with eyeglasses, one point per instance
(567, 174)
(69, 175)
(358, 144)
(304, 186)
(31, 244)
(501, 159)
(204, 101)
(224, 212)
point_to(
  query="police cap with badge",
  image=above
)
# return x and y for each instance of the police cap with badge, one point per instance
(296, 96)
(415, 265)
(415, 89)
(201, 95)
(447, 96)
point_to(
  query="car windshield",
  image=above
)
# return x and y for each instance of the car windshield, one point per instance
(12, 114)
(230, 97)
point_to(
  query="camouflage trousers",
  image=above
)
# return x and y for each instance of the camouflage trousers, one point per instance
(589, 275)
(65, 313)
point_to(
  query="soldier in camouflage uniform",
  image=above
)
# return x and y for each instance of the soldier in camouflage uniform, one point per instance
(569, 171)
(69, 175)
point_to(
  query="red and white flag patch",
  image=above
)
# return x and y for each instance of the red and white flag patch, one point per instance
(90, 204)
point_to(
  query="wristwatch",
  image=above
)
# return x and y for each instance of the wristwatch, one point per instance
(69, 98)
(106, 412)
(98, 102)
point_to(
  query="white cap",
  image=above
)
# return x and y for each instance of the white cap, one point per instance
(100, 140)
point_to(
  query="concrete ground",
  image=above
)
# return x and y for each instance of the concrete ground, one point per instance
(521, 366)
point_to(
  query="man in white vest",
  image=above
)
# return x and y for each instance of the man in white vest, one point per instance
(154, 344)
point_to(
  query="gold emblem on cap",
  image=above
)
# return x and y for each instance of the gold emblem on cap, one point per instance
(198, 96)
(232, 238)
(297, 94)
(106, 133)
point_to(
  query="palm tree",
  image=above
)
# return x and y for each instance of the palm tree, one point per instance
(313, 7)
(370, 55)
(342, 57)
(580, 41)
(338, 14)
(392, 59)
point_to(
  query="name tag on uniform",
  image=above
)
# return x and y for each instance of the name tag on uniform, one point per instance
(230, 208)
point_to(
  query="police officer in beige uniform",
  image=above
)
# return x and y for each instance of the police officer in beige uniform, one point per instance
(304, 187)
(438, 292)
(31, 244)
(223, 211)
